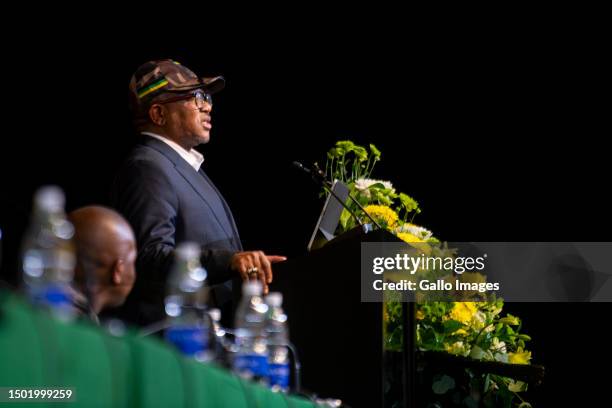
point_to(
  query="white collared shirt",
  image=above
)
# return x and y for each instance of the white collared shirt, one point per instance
(193, 157)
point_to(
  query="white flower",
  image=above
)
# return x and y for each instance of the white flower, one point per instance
(363, 185)
(498, 346)
(479, 319)
(419, 232)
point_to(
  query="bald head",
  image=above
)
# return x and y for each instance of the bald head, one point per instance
(106, 252)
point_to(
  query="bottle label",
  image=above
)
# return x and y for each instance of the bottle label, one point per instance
(190, 340)
(279, 375)
(253, 364)
(55, 296)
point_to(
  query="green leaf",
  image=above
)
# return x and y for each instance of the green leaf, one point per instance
(384, 200)
(477, 354)
(487, 382)
(443, 384)
(451, 326)
(511, 320)
(344, 219)
(501, 357)
(524, 337)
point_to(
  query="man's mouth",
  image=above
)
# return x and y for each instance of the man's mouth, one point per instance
(207, 125)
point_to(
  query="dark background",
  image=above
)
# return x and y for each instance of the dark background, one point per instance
(499, 137)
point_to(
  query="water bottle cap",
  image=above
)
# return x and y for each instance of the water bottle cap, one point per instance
(251, 288)
(187, 251)
(215, 314)
(50, 198)
(274, 299)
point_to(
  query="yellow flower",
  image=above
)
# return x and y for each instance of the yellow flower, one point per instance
(382, 213)
(463, 312)
(423, 234)
(520, 357)
(420, 315)
(408, 237)
(415, 242)
(461, 332)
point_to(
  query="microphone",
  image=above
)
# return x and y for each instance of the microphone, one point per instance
(300, 166)
(319, 177)
(315, 172)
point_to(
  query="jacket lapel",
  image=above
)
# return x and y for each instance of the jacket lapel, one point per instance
(227, 209)
(199, 184)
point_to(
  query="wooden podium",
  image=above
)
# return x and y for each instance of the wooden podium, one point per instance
(338, 338)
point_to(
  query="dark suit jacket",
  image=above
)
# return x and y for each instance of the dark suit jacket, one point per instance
(167, 202)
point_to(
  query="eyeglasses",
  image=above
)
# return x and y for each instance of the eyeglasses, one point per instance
(200, 99)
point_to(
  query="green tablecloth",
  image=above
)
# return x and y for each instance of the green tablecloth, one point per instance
(106, 371)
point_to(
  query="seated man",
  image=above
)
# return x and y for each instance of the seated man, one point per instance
(106, 253)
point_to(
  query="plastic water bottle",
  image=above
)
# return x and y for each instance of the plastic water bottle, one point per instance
(278, 339)
(251, 357)
(48, 254)
(221, 343)
(215, 319)
(185, 303)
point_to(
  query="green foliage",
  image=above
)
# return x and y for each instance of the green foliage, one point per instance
(353, 165)
(408, 205)
(348, 161)
(470, 329)
(442, 384)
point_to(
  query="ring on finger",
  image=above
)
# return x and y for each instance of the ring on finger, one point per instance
(252, 271)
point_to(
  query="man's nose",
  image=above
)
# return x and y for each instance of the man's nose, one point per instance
(206, 107)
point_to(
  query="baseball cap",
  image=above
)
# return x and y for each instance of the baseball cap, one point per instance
(156, 80)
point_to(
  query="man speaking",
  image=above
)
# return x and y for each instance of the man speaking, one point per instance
(168, 198)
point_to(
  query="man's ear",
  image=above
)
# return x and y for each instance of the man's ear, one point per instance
(157, 114)
(118, 270)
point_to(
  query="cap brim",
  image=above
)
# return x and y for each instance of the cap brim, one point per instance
(210, 85)
(214, 85)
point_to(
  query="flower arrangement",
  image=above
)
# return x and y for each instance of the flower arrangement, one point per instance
(475, 330)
